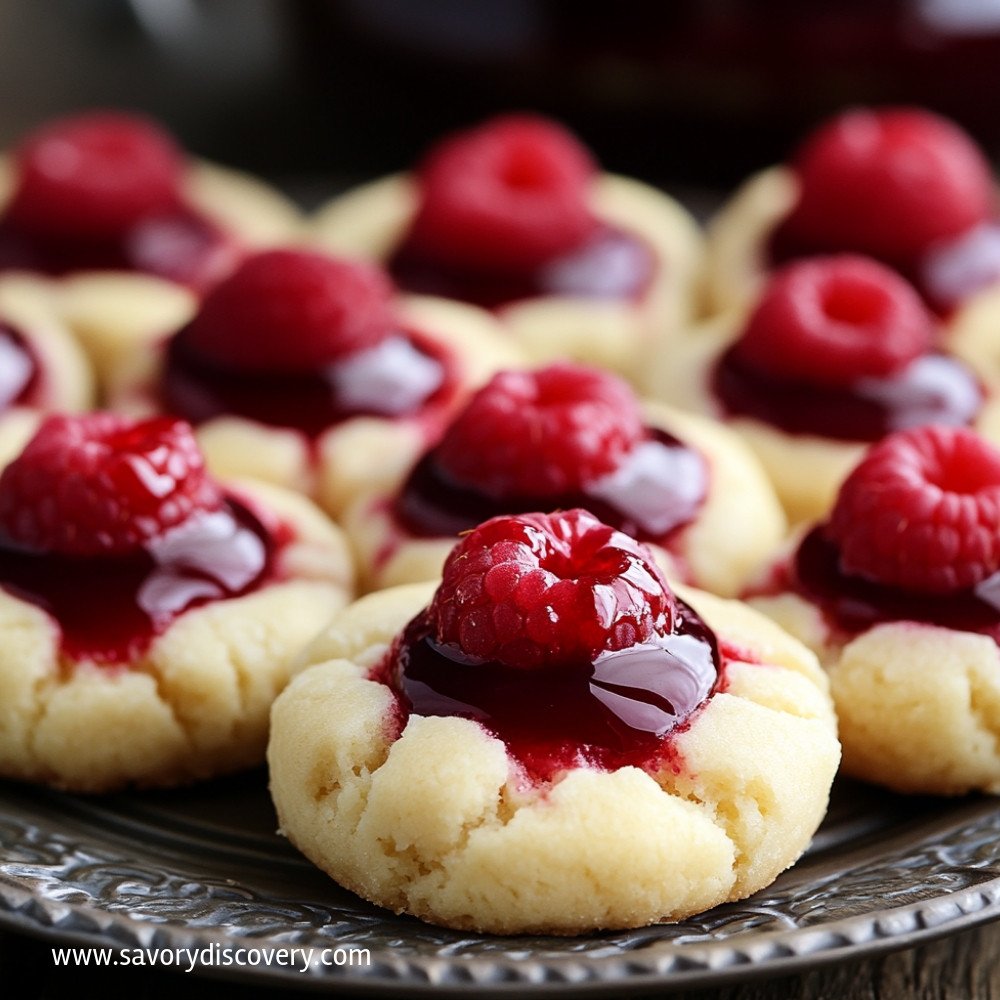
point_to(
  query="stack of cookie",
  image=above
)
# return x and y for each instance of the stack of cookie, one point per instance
(552, 433)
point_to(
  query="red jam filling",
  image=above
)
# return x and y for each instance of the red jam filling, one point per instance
(948, 274)
(109, 609)
(853, 604)
(611, 264)
(618, 711)
(933, 389)
(403, 375)
(181, 246)
(659, 489)
(20, 373)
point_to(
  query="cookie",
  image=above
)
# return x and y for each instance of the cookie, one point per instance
(306, 371)
(894, 593)
(149, 615)
(528, 786)
(513, 215)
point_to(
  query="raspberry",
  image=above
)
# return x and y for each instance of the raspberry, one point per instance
(889, 183)
(922, 511)
(835, 320)
(548, 590)
(541, 434)
(94, 175)
(509, 195)
(292, 311)
(102, 484)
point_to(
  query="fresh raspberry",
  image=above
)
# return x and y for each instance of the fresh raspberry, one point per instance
(292, 311)
(508, 195)
(94, 175)
(541, 433)
(102, 484)
(889, 183)
(547, 590)
(922, 511)
(835, 320)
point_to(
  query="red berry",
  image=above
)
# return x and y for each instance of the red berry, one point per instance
(292, 311)
(541, 433)
(922, 511)
(103, 484)
(508, 195)
(94, 175)
(549, 590)
(889, 183)
(835, 320)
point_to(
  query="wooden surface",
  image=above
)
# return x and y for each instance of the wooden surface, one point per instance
(964, 966)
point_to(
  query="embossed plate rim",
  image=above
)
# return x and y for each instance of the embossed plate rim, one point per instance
(651, 965)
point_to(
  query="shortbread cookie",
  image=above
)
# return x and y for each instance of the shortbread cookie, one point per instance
(148, 615)
(567, 436)
(103, 215)
(552, 742)
(305, 371)
(514, 215)
(896, 595)
(900, 185)
(836, 353)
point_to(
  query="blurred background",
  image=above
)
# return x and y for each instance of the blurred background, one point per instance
(315, 94)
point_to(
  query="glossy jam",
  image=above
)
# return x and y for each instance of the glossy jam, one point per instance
(657, 491)
(183, 247)
(612, 264)
(946, 275)
(400, 377)
(109, 609)
(852, 604)
(934, 389)
(618, 711)
(20, 373)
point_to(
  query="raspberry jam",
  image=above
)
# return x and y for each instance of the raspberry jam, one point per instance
(181, 246)
(618, 711)
(853, 604)
(657, 490)
(612, 264)
(401, 376)
(934, 389)
(109, 609)
(19, 369)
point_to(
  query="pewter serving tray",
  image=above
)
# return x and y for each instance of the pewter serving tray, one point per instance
(204, 866)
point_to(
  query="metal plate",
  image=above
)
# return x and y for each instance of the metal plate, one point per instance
(200, 867)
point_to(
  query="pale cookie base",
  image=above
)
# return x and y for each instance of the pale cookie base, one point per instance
(359, 455)
(67, 383)
(114, 313)
(437, 821)
(371, 220)
(196, 704)
(919, 706)
(737, 529)
(738, 235)
(806, 470)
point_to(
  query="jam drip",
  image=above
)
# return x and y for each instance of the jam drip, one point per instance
(934, 389)
(853, 604)
(182, 246)
(612, 264)
(20, 373)
(110, 608)
(659, 489)
(618, 711)
(401, 376)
